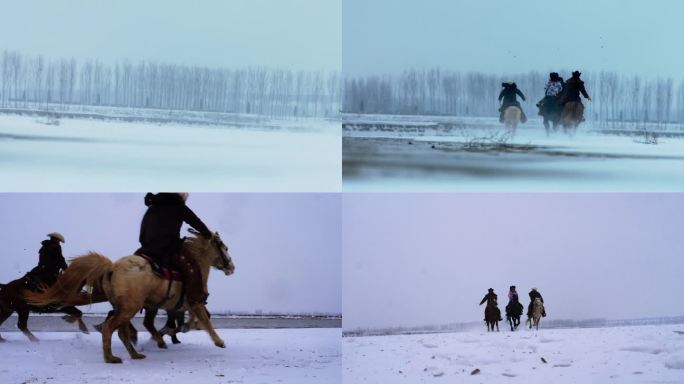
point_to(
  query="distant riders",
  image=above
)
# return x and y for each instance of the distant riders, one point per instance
(50, 262)
(509, 95)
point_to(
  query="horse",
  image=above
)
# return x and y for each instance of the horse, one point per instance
(12, 299)
(537, 310)
(550, 111)
(130, 285)
(512, 116)
(513, 312)
(571, 116)
(492, 315)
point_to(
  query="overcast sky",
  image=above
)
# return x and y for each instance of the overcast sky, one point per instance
(286, 247)
(428, 259)
(628, 36)
(298, 34)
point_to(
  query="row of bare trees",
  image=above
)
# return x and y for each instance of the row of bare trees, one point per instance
(616, 98)
(59, 83)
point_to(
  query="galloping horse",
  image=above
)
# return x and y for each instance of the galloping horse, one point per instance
(537, 310)
(492, 315)
(571, 116)
(130, 285)
(513, 312)
(12, 299)
(512, 116)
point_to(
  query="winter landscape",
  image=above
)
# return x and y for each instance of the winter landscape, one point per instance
(627, 354)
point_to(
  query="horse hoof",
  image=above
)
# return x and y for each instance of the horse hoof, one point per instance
(98, 327)
(69, 318)
(162, 345)
(113, 360)
(220, 344)
(138, 356)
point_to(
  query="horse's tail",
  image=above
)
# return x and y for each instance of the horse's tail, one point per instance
(88, 269)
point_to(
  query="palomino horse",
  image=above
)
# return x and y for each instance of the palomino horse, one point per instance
(537, 310)
(130, 285)
(12, 299)
(512, 116)
(513, 312)
(492, 315)
(571, 116)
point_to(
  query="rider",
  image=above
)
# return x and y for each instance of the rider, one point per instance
(552, 91)
(160, 239)
(573, 88)
(508, 94)
(534, 293)
(50, 261)
(491, 296)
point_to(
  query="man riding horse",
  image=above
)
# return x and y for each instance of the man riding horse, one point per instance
(50, 262)
(534, 293)
(549, 107)
(491, 296)
(509, 95)
(513, 309)
(573, 88)
(160, 239)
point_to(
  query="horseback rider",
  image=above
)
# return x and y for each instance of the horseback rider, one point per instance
(573, 88)
(534, 294)
(508, 94)
(513, 300)
(160, 239)
(491, 296)
(552, 92)
(50, 261)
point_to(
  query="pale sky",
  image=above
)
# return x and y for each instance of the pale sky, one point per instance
(501, 36)
(428, 259)
(286, 247)
(297, 34)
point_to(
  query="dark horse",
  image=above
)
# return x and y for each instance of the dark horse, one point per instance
(12, 299)
(492, 315)
(513, 312)
(550, 109)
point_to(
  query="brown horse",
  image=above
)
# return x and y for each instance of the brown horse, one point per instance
(130, 285)
(537, 310)
(572, 116)
(492, 315)
(12, 299)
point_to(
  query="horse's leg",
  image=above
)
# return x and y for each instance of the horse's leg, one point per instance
(497, 326)
(202, 316)
(5, 312)
(75, 314)
(150, 314)
(120, 317)
(22, 324)
(124, 333)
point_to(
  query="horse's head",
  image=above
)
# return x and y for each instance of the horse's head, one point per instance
(217, 250)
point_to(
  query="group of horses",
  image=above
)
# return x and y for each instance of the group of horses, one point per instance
(129, 284)
(514, 311)
(568, 115)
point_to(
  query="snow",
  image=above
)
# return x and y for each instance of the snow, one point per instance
(96, 155)
(634, 354)
(251, 356)
(418, 153)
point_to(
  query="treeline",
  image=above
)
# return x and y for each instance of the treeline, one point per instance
(435, 91)
(59, 83)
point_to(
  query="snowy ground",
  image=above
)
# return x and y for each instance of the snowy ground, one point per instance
(418, 153)
(636, 354)
(91, 155)
(251, 356)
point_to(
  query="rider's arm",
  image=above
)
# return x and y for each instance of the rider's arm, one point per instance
(501, 95)
(195, 222)
(584, 91)
(520, 94)
(483, 300)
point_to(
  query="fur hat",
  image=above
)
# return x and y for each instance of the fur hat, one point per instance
(491, 289)
(534, 289)
(554, 76)
(56, 235)
(576, 74)
(184, 195)
(512, 287)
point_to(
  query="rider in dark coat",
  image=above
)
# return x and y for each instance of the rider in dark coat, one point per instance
(509, 95)
(573, 88)
(491, 296)
(533, 295)
(160, 238)
(50, 261)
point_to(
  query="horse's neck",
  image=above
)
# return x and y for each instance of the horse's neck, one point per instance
(203, 259)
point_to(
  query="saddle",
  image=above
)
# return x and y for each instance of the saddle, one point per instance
(164, 272)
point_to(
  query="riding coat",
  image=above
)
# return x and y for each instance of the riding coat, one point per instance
(161, 225)
(534, 295)
(573, 88)
(553, 88)
(489, 295)
(508, 94)
(50, 261)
